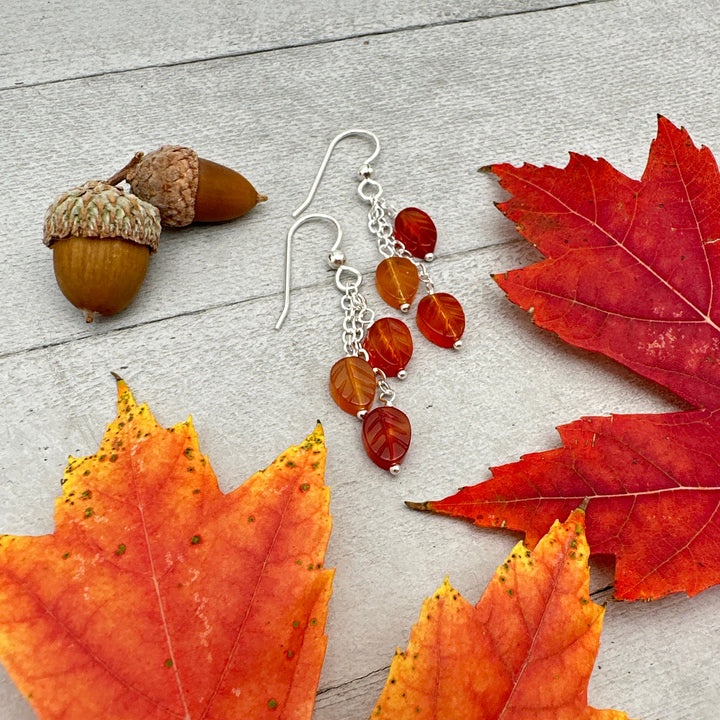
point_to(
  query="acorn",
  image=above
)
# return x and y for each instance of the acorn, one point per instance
(187, 188)
(102, 238)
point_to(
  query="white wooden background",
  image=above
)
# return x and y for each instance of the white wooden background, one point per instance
(263, 86)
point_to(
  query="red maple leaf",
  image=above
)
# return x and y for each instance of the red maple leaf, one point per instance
(630, 272)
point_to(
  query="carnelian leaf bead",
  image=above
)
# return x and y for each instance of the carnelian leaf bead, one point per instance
(397, 281)
(415, 229)
(386, 437)
(441, 319)
(352, 384)
(389, 345)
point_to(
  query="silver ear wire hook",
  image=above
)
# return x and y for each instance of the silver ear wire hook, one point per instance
(335, 258)
(365, 169)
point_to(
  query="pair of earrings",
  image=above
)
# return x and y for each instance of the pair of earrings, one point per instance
(378, 349)
(406, 240)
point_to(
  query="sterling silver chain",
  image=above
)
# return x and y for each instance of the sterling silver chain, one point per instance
(385, 393)
(380, 224)
(358, 316)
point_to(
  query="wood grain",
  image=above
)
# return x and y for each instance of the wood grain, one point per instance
(54, 41)
(263, 88)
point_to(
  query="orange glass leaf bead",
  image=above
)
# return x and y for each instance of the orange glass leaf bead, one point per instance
(386, 436)
(352, 384)
(415, 229)
(397, 281)
(389, 345)
(441, 319)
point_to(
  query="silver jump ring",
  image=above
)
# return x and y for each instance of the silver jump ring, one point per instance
(353, 284)
(367, 197)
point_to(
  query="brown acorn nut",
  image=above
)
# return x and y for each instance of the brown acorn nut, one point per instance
(186, 188)
(102, 238)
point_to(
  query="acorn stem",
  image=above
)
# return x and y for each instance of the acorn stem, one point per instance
(121, 175)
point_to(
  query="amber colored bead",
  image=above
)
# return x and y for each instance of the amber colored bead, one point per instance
(352, 384)
(397, 281)
(415, 229)
(389, 345)
(441, 319)
(386, 436)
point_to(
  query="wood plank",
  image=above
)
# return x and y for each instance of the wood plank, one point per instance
(259, 114)
(51, 41)
(386, 555)
(444, 100)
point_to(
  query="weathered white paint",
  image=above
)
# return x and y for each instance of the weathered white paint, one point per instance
(445, 97)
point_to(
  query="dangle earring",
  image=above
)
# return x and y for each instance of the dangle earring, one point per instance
(406, 244)
(356, 379)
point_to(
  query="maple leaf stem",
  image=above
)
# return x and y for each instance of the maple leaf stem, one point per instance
(422, 506)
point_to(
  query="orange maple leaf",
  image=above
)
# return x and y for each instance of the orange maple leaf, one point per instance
(524, 652)
(160, 597)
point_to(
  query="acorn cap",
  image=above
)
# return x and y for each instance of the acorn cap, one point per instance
(168, 178)
(99, 210)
